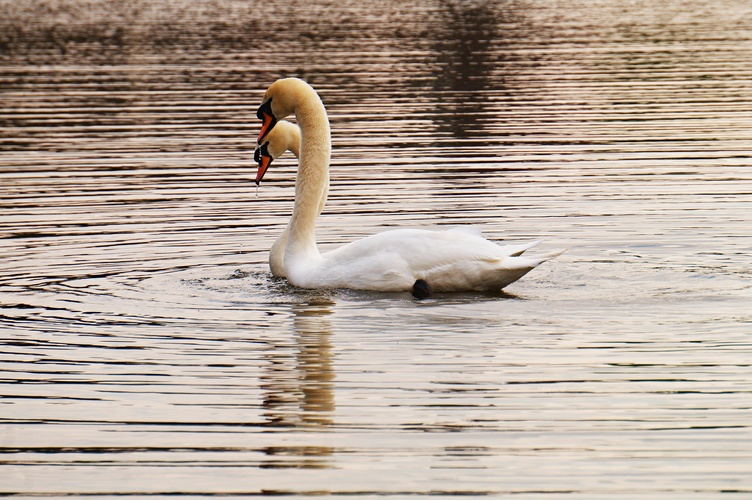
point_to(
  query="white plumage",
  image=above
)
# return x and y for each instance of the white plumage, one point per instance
(457, 259)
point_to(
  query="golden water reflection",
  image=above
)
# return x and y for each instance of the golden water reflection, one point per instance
(298, 381)
(618, 131)
(298, 386)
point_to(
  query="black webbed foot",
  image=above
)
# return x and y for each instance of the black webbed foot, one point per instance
(421, 290)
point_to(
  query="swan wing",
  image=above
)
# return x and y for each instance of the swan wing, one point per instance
(449, 260)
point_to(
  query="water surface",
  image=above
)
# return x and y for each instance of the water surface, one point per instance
(147, 351)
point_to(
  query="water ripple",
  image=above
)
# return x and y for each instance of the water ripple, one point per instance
(147, 351)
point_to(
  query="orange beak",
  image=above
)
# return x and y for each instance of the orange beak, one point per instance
(268, 120)
(263, 165)
(264, 159)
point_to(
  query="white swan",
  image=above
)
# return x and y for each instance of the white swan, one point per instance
(421, 261)
(285, 136)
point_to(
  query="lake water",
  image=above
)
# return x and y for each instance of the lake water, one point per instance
(147, 351)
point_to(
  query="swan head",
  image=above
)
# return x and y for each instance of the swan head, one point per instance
(285, 136)
(281, 100)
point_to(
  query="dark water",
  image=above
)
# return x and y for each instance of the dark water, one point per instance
(146, 350)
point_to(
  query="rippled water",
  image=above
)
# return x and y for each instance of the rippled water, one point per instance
(146, 350)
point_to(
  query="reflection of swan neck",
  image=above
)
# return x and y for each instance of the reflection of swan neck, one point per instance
(312, 181)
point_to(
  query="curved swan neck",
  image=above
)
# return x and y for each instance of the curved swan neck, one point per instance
(312, 182)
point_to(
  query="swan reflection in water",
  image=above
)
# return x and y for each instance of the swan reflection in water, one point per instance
(298, 388)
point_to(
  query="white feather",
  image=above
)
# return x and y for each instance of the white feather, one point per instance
(455, 259)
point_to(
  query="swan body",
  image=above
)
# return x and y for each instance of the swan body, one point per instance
(456, 259)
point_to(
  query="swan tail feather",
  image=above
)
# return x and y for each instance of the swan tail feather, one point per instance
(517, 267)
(535, 261)
(517, 250)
